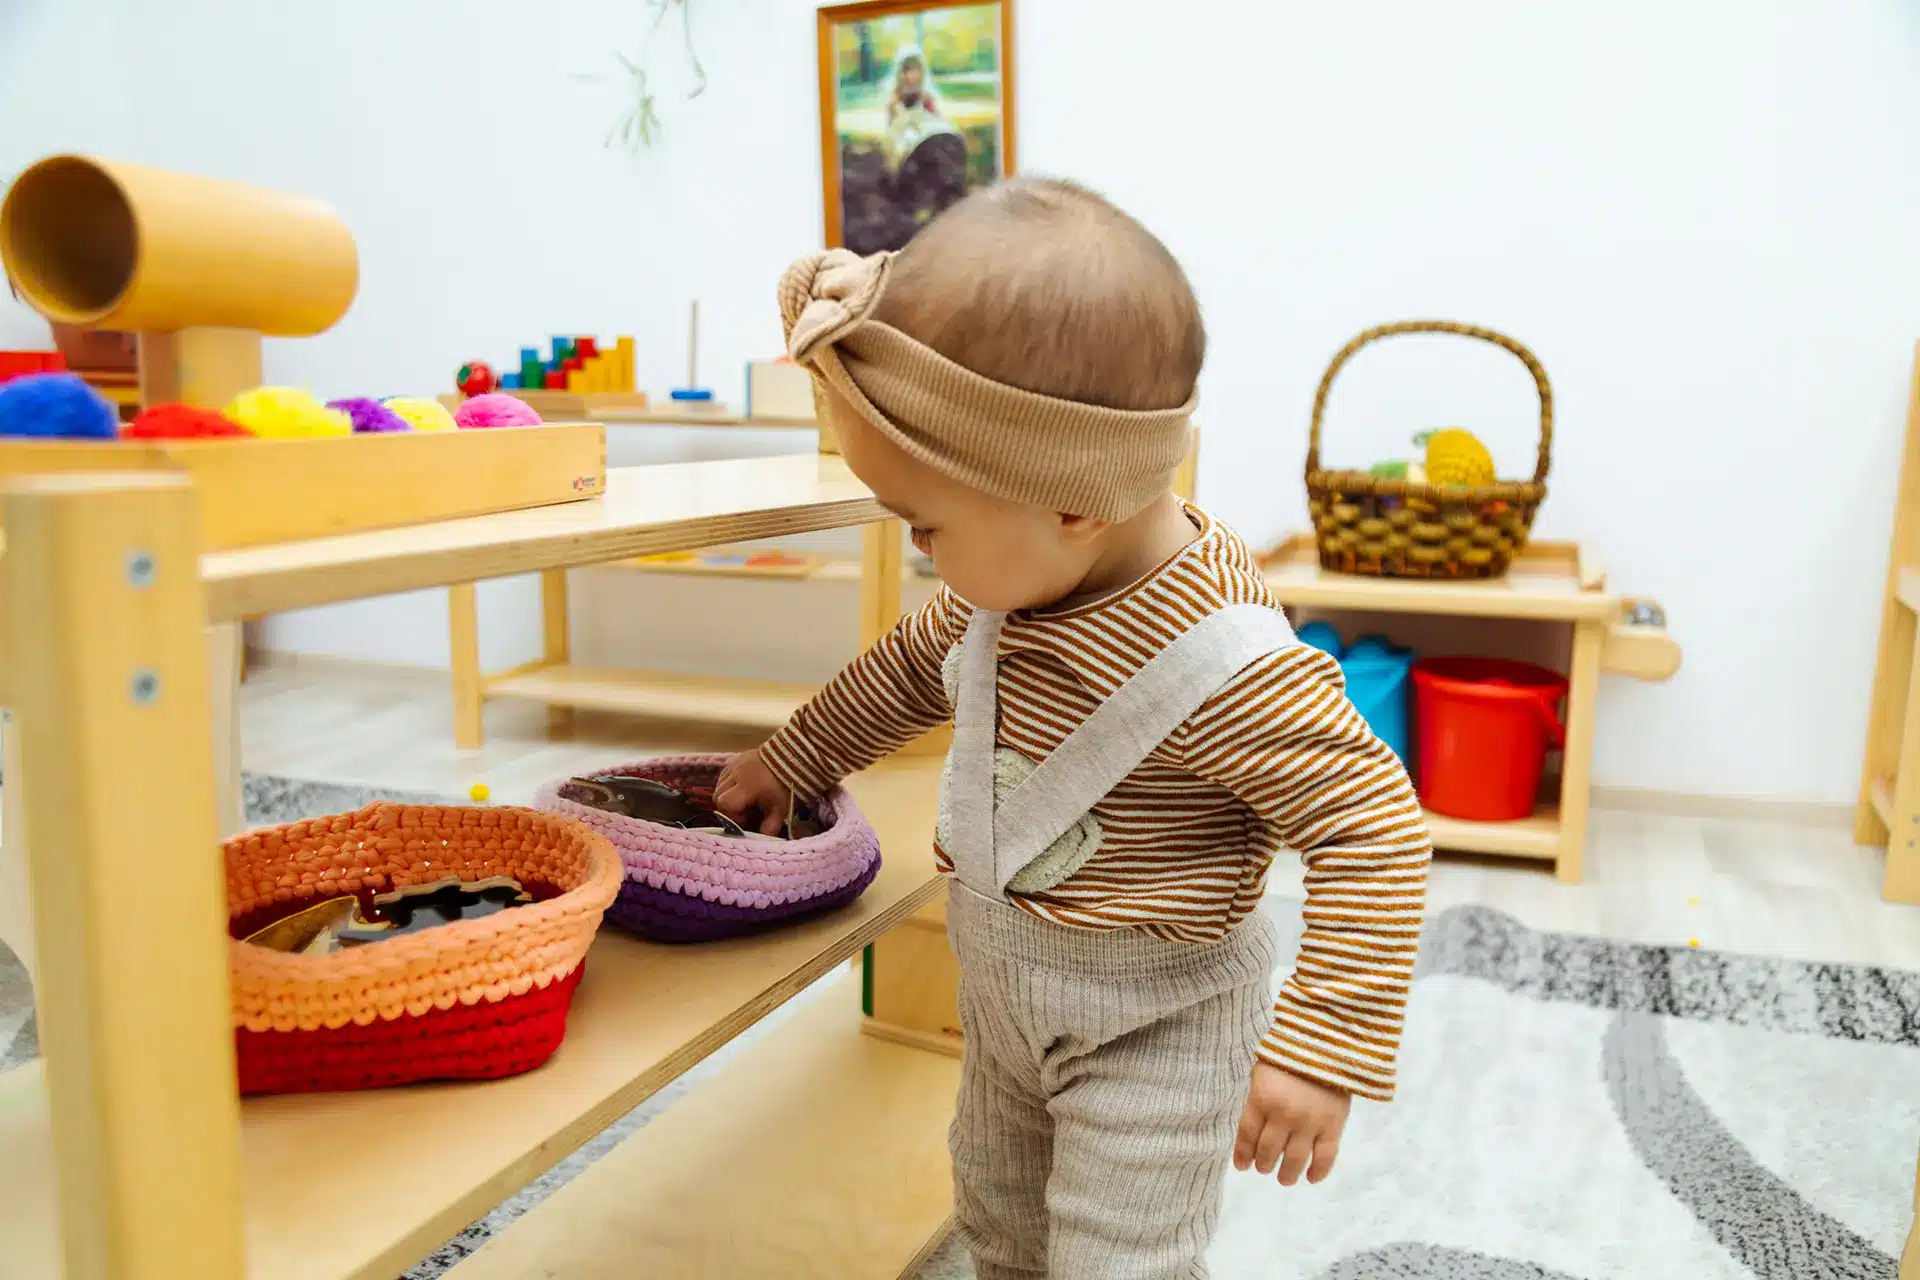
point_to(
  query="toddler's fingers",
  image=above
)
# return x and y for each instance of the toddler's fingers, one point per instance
(773, 818)
(1245, 1140)
(1273, 1140)
(1299, 1151)
(1325, 1150)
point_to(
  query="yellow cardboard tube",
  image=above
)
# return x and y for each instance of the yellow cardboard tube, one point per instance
(127, 247)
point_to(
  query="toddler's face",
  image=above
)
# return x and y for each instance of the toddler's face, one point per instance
(995, 554)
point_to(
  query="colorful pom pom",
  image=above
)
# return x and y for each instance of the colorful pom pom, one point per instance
(495, 410)
(286, 413)
(181, 422)
(55, 406)
(369, 415)
(421, 413)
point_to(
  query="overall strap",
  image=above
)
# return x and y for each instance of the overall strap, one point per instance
(969, 781)
(1122, 731)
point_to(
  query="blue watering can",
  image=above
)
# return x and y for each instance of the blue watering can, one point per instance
(1378, 682)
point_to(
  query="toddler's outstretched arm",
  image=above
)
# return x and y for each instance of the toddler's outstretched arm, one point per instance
(884, 699)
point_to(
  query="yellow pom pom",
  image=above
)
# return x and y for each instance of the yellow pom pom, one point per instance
(479, 792)
(1456, 456)
(286, 413)
(421, 413)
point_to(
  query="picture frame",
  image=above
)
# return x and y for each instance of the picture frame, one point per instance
(916, 109)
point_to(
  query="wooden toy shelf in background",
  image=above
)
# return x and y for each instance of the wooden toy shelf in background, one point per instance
(1549, 582)
(740, 701)
(1888, 811)
(819, 1154)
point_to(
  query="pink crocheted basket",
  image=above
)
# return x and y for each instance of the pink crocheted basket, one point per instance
(691, 886)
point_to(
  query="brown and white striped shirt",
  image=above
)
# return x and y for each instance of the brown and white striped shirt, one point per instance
(1278, 757)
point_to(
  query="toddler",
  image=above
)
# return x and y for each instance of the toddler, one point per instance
(1136, 733)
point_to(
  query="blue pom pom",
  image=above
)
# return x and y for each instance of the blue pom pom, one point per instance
(55, 405)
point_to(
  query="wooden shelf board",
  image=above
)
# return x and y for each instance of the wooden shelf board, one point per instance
(1534, 837)
(1906, 589)
(1545, 583)
(814, 569)
(819, 1154)
(657, 418)
(646, 510)
(320, 1208)
(664, 695)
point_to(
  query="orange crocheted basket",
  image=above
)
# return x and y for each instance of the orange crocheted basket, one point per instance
(472, 1000)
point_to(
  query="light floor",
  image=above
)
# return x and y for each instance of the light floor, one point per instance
(1747, 886)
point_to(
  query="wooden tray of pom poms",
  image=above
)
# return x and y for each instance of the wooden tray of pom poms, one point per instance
(1393, 528)
(256, 492)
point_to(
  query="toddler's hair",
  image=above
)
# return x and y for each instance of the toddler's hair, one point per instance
(1041, 284)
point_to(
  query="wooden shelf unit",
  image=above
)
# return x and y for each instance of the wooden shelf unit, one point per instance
(131, 1125)
(1888, 809)
(564, 687)
(1549, 582)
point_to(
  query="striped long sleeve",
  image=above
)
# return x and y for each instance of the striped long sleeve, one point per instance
(884, 699)
(1284, 738)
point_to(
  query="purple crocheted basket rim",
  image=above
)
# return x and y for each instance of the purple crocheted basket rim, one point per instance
(660, 915)
(749, 876)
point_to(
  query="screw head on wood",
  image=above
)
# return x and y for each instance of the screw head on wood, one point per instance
(146, 686)
(140, 568)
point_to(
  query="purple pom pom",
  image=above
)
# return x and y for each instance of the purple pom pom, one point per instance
(495, 410)
(56, 405)
(369, 415)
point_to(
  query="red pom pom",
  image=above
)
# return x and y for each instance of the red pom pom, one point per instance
(180, 422)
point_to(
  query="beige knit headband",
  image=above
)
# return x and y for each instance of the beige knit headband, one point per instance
(1020, 445)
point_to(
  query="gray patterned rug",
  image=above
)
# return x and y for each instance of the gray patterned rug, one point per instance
(1571, 1108)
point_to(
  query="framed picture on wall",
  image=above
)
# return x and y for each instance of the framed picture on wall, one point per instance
(916, 109)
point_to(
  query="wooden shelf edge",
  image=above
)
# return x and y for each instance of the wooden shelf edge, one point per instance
(1295, 578)
(1906, 589)
(645, 510)
(845, 1175)
(1536, 837)
(816, 569)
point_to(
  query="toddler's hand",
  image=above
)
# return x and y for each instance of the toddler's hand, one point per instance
(1290, 1114)
(747, 789)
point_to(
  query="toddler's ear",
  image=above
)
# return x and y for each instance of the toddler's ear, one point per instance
(1082, 529)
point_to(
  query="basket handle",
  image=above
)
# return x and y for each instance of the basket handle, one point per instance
(1501, 340)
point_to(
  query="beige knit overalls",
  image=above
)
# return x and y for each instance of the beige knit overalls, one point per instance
(1105, 1070)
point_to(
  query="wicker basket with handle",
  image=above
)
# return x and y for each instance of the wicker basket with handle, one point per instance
(1390, 527)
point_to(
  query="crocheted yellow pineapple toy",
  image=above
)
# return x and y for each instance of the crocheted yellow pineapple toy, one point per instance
(1455, 456)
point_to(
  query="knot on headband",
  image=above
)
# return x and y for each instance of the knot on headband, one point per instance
(824, 296)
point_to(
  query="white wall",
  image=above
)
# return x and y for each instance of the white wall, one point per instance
(1701, 215)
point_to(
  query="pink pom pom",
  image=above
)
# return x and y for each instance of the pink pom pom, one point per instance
(495, 410)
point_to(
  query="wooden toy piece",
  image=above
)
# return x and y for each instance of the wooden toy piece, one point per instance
(778, 389)
(199, 267)
(1888, 810)
(476, 378)
(623, 374)
(693, 392)
(17, 364)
